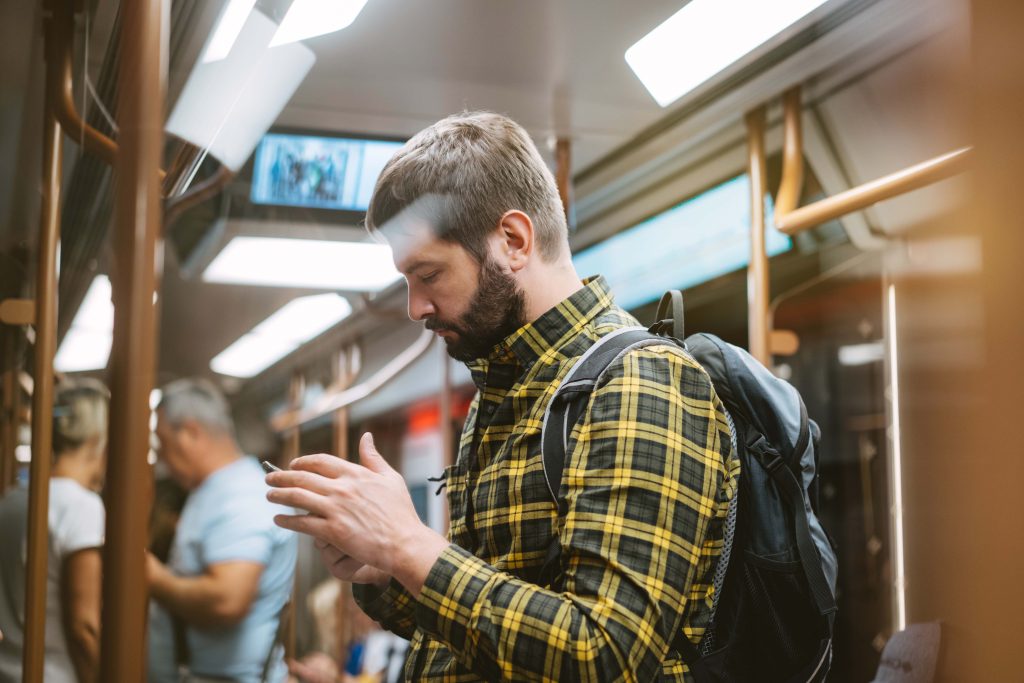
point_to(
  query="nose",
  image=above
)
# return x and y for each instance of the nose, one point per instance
(420, 307)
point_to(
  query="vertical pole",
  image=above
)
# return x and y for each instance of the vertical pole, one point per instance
(563, 176)
(757, 271)
(137, 217)
(42, 394)
(9, 419)
(346, 367)
(292, 449)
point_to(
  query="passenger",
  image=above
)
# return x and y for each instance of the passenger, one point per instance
(474, 218)
(76, 523)
(230, 570)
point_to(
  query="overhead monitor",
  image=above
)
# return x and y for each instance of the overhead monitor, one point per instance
(690, 243)
(317, 171)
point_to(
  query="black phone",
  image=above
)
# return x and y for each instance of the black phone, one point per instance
(270, 467)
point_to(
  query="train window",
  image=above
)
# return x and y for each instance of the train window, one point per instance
(698, 239)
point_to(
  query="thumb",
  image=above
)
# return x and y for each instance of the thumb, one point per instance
(369, 456)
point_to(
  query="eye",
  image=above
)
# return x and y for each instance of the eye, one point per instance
(429, 277)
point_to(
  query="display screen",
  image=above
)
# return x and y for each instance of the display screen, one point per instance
(695, 241)
(318, 172)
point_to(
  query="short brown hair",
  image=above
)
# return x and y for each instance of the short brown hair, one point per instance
(482, 164)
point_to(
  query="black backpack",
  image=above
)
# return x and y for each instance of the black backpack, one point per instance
(774, 604)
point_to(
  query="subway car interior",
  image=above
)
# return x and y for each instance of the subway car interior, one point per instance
(184, 186)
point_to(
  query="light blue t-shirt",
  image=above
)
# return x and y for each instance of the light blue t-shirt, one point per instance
(228, 518)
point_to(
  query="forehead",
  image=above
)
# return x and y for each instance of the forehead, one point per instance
(414, 242)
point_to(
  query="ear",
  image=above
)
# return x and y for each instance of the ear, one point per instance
(516, 239)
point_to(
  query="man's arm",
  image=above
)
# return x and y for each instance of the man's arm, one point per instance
(218, 598)
(80, 588)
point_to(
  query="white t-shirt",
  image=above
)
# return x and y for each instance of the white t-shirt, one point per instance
(76, 522)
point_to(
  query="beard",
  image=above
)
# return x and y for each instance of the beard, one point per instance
(495, 312)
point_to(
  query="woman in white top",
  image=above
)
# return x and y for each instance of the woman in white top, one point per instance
(76, 522)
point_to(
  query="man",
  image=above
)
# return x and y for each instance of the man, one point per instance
(230, 569)
(477, 228)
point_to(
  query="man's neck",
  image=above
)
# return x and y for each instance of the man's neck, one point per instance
(550, 287)
(218, 460)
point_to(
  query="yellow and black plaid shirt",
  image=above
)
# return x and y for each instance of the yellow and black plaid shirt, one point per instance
(648, 480)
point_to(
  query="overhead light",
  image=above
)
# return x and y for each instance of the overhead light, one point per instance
(229, 25)
(86, 346)
(705, 37)
(228, 104)
(313, 264)
(861, 354)
(292, 326)
(23, 453)
(310, 18)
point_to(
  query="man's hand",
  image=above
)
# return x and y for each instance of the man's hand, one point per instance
(345, 568)
(363, 511)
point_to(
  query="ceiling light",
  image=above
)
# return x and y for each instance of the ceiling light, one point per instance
(309, 18)
(229, 25)
(86, 346)
(227, 105)
(314, 264)
(705, 37)
(293, 325)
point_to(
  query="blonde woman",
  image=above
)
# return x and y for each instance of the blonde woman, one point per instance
(76, 524)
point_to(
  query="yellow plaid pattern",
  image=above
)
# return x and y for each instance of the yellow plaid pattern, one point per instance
(648, 480)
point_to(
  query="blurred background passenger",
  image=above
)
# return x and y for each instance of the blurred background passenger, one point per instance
(217, 604)
(369, 653)
(76, 523)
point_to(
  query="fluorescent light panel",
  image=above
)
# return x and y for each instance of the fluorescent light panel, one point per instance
(313, 264)
(705, 37)
(290, 327)
(86, 345)
(310, 18)
(229, 25)
(228, 104)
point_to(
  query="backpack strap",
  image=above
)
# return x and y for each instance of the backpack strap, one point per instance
(569, 401)
(787, 484)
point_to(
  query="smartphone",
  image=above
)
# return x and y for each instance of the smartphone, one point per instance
(270, 467)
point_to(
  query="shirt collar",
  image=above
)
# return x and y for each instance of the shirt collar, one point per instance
(552, 329)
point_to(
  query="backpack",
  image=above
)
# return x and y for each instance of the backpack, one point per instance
(774, 601)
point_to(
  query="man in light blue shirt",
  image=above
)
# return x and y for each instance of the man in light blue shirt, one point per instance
(230, 570)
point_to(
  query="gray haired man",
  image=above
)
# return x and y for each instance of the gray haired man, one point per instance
(230, 568)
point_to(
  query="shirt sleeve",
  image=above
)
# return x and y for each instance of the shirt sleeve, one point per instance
(84, 526)
(242, 531)
(393, 607)
(640, 484)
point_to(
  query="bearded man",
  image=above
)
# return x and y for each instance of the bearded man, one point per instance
(477, 228)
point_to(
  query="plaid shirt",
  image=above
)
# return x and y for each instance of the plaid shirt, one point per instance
(648, 479)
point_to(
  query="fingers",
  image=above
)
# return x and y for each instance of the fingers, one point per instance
(369, 456)
(302, 499)
(311, 525)
(300, 479)
(323, 464)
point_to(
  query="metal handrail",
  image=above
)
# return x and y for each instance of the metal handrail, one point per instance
(791, 219)
(42, 395)
(757, 272)
(331, 401)
(142, 81)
